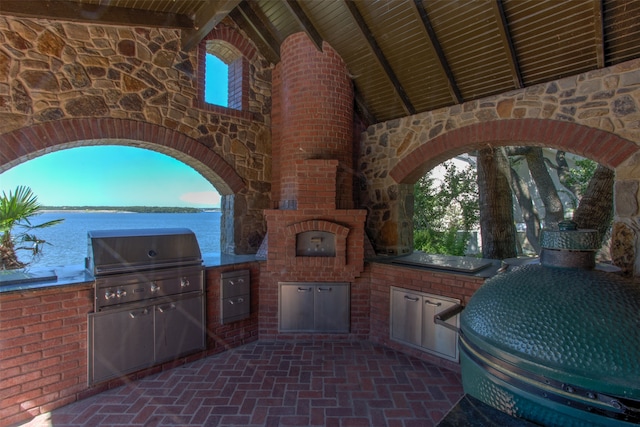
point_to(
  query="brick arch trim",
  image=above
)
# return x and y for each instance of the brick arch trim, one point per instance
(604, 147)
(234, 38)
(317, 225)
(25, 142)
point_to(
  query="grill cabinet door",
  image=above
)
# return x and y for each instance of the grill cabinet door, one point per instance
(406, 316)
(331, 308)
(120, 342)
(436, 338)
(179, 327)
(296, 307)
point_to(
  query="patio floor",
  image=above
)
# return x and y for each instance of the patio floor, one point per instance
(334, 383)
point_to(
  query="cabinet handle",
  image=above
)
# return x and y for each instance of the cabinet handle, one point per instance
(304, 290)
(324, 289)
(162, 309)
(436, 304)
(240, 300)
(135, 314)
(414, 299)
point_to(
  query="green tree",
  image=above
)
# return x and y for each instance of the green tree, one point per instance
(16, 211)
(444, 207)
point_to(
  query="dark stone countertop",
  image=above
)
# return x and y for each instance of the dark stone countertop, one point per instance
(470, 412)
(47, 277)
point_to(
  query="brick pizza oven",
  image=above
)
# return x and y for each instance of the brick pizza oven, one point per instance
(314, 235)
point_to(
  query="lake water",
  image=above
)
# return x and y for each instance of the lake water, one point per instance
(68, 240)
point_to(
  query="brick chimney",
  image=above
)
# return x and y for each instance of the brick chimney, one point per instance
(314, 234)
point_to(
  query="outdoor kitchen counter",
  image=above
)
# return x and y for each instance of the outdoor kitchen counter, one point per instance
(48, 277)
(44, 324)
(449, 264)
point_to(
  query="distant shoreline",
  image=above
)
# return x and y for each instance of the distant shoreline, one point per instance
(124, 209)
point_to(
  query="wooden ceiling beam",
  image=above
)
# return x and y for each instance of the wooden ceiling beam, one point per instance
(507, 42)
(437, 49)
(379, 55)
(253, 21)
(93, 13)
(362, 108)
(304, 22)
(208, 16)
(598, 22)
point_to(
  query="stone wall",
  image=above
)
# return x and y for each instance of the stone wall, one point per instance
(595, 114)
(52, 72)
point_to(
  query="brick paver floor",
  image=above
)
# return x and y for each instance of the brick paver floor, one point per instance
(335, 383)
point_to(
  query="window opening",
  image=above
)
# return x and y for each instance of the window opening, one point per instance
(113, 187)
(225, 76)
(216, 81)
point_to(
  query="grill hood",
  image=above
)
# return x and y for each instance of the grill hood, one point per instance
(122, 251)
(556, 345)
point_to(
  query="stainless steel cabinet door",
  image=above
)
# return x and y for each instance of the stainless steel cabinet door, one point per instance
(179, 328)
(119, 342)
(331, 308)
(437, 338)
(296, 307)
(406, 316)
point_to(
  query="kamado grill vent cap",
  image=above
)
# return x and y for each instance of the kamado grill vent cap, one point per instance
(556, 343)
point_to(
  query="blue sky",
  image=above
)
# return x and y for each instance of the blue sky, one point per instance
(111, 176)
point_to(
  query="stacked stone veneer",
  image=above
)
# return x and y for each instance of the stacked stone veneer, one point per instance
(66, 84)
(595, 114)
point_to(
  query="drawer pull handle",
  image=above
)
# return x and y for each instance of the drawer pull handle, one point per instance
(240, 301)
(324, 289)
(435, 304)
(414, 299)
(162, 309)
(134, 314)
(304, 290)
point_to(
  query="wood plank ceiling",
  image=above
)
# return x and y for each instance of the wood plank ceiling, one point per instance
(405, 56)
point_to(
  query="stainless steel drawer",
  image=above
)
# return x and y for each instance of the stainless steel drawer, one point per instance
(236, 283)
(235, 296)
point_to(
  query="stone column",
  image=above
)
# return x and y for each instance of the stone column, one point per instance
(625, 235)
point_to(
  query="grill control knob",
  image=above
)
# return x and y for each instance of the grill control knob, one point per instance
(109, 295)
(184, 282)
(154, 287)
(121, 293)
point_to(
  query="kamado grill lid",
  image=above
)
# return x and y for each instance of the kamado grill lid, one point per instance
(121, 251)
(573, 327)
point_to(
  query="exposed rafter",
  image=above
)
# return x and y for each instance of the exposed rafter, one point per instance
(363, 109)
(598, 23)
(382, 60)
(437, 49)
(256, 25)
(505, 35)
(207, 17)
(304, 22)
(85, 12)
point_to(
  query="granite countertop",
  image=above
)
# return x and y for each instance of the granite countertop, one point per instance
(46, 277)
(467, 266)
(470, 412)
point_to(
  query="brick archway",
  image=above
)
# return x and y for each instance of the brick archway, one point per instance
(25, 143)
(606, 148)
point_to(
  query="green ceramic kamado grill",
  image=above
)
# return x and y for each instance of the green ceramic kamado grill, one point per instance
(556, 343)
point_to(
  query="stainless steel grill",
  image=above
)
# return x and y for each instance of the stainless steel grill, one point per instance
(149, 299)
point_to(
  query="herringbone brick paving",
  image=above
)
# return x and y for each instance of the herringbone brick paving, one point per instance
(335, 383)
